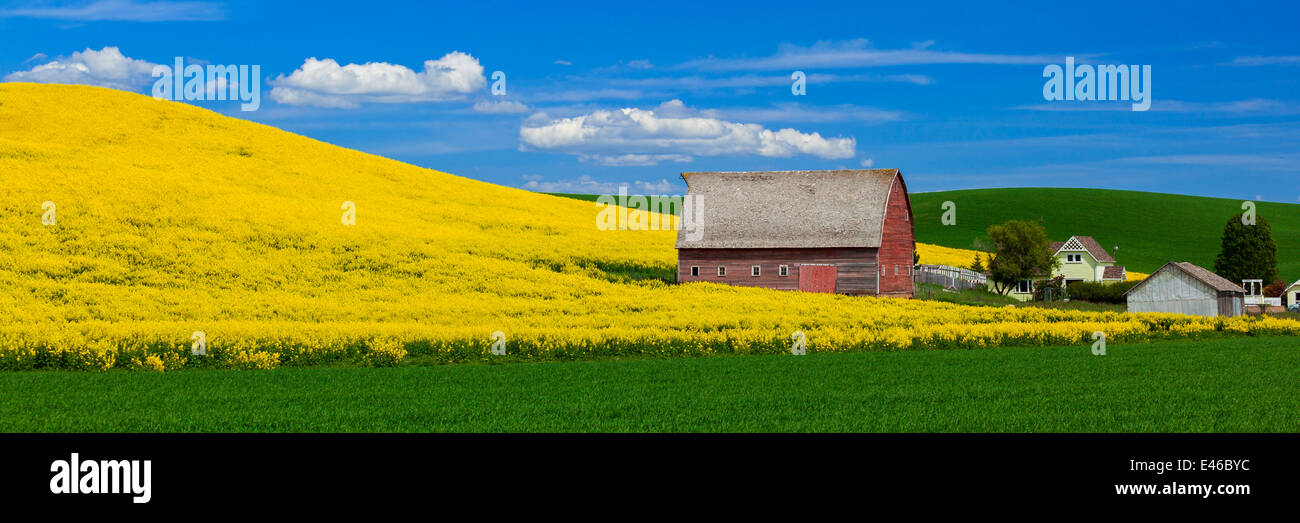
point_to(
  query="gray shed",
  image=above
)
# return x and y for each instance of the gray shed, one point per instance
(1186, 288)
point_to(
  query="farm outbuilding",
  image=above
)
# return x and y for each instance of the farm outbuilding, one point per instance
(1186, 288)
(1291, 295)
(842, 231)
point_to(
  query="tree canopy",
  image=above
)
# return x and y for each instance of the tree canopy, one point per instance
(1247, 251)
(1021, 253)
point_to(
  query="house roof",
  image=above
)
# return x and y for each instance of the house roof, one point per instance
(1113, 272)
(789, 209)
(1215, 281)
(1087, 243)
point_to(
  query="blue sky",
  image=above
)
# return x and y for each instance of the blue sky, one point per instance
(598, 95)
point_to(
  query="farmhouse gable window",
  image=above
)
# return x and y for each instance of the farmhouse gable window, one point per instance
(1073, 258)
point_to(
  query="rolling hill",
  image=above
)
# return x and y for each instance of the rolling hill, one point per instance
(1149, 228)
(128, 226)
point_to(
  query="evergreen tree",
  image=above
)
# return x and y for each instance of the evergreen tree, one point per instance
(1247, 252)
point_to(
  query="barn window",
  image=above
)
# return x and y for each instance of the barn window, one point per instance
(755, 270)
(1074, 258)
(722, 271)
(695, 271)
(783, 270)
(907, 216)
(1025, 286)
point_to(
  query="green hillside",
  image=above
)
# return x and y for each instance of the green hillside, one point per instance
(1149, 228)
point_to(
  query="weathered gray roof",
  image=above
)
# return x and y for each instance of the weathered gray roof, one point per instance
(1216, 282)
(1113, 272)
(789, 209)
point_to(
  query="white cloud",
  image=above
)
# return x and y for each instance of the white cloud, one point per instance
(1250, 162)
(107, 67)
(563, 62)
(868, 162)
(325, 83)
(633, 159)
(560, 94)
(853, 54)
(640, 64)
(500, 107)
(699, 83)
(124, 11)
(1237, 107)
(673, 129)
(588, 185)
(1255, 61)
(1253, 105)
(802, 113)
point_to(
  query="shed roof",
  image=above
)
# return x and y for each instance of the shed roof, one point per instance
(1215, 281)
(789, 209)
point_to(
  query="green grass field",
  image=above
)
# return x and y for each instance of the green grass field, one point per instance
(980, 296)
(1222, 385)
(1149, 228)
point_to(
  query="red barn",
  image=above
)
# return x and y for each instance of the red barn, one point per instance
(843, 231)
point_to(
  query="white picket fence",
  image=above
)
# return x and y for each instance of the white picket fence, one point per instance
(949, 276)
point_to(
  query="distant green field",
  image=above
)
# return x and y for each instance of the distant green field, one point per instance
(1228, 385)
(1149, 228)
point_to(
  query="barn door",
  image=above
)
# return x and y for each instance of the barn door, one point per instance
(817, 278)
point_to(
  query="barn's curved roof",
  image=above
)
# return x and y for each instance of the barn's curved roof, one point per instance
(788, 209)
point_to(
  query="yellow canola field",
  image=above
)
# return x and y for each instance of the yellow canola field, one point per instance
(169, 220)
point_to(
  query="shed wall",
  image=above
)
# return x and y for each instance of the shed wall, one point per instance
(1172, 290)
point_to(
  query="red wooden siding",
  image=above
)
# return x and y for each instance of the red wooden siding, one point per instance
(897, 244)
(817, 278)
(856, 267)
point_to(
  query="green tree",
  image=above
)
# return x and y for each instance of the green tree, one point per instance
(978, 264)
(1021, 253)
(1247, 252)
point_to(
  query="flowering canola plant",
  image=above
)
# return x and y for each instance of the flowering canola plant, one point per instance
(167, 219)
